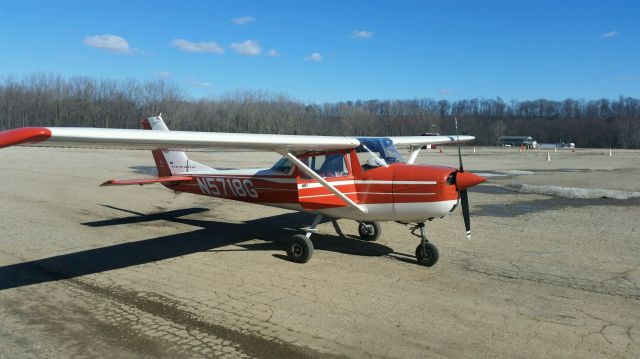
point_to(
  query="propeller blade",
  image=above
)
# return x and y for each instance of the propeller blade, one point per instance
(464, 181)
(464, 199)
(461, 169)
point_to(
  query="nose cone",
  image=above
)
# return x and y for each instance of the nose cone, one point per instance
(465, 180)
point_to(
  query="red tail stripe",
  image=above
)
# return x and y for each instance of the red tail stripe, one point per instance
(145, 124)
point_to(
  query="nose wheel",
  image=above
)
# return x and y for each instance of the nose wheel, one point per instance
(426, 252)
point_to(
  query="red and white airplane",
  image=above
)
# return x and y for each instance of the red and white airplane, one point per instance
(364, 179)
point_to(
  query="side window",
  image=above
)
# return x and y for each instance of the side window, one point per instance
(332, 165)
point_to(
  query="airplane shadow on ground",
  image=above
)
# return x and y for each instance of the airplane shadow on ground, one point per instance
(275, 231)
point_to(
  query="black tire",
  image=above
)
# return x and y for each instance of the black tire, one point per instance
(428, 258)
(369, 231)
(300, 249)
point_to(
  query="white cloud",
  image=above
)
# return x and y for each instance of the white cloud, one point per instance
(196, 82)
(446, 91)
(243, 20)
(610, 34)
(164, 74)
(247, 48)
(112, 43)
(189, 46)
(314, 57)
(361, 34)
(273, 53)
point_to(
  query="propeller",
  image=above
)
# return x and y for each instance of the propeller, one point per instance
(461, 178)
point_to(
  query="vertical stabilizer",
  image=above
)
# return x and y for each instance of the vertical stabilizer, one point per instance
(170, 163)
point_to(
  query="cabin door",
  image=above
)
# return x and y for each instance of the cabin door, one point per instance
(336, 169)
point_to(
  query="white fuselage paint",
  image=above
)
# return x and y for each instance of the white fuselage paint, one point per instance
(403, 212)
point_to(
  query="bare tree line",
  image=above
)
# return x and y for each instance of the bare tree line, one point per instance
(52, 100)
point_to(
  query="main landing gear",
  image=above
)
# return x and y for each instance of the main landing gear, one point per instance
(300, 248)
(369, 231)
(426, 253)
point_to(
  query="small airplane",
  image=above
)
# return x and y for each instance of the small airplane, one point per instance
(364, 179)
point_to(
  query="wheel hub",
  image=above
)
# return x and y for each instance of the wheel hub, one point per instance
(297, 249)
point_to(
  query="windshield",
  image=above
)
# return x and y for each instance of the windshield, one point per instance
(374, 152)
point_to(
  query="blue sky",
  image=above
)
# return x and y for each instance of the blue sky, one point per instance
(325, 51)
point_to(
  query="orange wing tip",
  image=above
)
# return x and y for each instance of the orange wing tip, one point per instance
(23, 135)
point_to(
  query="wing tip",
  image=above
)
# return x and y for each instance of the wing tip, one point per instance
(23, 135)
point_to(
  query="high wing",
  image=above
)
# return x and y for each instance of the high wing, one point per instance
(143, 139)
(428, 140)
(178, 140)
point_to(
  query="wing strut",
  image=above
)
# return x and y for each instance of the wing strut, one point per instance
(304, 168)
(414, 155)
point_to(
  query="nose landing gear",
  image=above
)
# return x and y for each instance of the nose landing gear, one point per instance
(426, 253)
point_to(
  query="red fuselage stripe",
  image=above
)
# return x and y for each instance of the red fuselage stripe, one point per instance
(263, 190)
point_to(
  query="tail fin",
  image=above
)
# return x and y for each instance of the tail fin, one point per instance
(170, 163)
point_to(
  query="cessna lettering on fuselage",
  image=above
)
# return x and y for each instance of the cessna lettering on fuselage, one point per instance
(364, 179)
(227, 187)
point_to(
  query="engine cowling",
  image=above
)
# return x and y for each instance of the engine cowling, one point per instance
(423, 192)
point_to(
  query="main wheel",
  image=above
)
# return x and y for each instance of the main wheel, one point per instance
(369, 231)
(427, 255)
(300, 249)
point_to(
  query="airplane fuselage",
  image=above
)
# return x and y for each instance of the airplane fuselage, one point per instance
(399, 192)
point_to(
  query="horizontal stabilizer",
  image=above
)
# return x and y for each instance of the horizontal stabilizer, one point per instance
(143, 181)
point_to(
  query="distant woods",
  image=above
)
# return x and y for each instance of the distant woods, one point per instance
(51, 100)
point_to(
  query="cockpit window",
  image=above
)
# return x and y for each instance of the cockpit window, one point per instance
(283, 165)
(374, 152)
